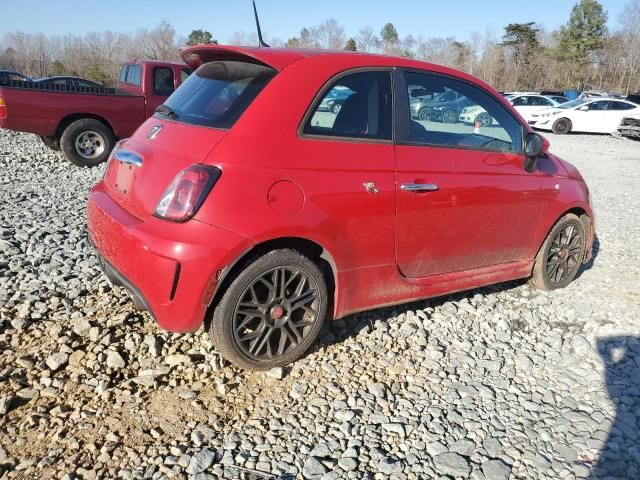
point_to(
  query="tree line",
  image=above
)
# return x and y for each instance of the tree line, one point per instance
(582, 54)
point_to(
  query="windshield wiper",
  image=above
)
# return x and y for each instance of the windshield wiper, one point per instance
(168, 111)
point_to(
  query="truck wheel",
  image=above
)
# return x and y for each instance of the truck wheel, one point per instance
(51, 142)
(87, 142)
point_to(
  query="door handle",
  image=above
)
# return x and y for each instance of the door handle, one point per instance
(419, 187)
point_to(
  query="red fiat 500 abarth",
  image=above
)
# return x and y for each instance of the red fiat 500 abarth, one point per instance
(247, 205)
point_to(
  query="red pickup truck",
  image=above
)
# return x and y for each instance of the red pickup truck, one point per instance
(84, 123)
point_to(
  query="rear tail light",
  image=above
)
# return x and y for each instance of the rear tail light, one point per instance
(185, 194)
(3, 108)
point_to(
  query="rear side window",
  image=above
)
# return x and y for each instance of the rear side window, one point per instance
(163, 81)
(134, 75)
(355, 106)
(217, 93)
(123, 73)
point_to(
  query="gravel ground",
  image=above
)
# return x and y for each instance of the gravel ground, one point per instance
(500, 382)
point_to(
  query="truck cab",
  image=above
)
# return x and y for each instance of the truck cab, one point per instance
(152, 79)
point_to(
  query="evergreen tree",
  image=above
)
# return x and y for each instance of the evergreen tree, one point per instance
(200, 37)
(351, 45)
(584, 33)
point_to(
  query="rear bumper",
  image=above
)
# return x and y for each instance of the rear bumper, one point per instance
(169, 269)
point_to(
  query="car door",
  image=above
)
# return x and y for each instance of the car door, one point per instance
(464, 200)
(346, 164)
(591, 118)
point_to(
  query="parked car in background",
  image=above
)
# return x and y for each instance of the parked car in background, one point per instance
(449, 112)
(630, 127)
(587, 115)
(528, 104)
(634, 98)
(10, 75)
(558, 98)
(334, 100)
(214, 214)
(525, 105)
(67, 82)
(476, 114)
(423, 106)
(85, 123)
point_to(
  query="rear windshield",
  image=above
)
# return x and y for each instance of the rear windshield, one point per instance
(217, 93)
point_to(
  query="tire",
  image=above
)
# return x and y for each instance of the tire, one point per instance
(87, 142)
(561, 126)
(559, 259)
(450, 116)
(249, 306)
(484, 119)
(51, 142)
(423, 114)
(336, 108)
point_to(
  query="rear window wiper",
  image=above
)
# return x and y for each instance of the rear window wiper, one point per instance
(168, 111)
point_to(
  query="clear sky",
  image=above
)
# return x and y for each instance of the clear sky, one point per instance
(285, 18)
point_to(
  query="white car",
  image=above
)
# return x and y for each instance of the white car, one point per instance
(588, 115)
(526, 104)
(475, 113)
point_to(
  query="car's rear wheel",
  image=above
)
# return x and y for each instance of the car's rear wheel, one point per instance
(449, 116)
(423, 114)
(561, 126)
(484, 119)
(271, 312)
(561, 254)
(87, 142)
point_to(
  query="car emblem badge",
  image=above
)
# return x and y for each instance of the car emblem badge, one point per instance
(154, 132)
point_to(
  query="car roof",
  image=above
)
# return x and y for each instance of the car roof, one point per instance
(281, 58)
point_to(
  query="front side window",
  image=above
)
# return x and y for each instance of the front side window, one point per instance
(599, 105)
(357, 105)
(476, 120)
(163, 81)
(217, 93)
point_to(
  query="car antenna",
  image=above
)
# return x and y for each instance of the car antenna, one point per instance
(261, 41)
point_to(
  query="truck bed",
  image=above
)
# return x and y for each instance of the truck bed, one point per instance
(40, 109)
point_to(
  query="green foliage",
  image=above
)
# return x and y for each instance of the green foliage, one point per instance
(584, 33)
(521, 35)
(389, 35)
(351, 45)
(200, 37)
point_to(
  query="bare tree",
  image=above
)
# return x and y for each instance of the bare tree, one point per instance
(367, 40)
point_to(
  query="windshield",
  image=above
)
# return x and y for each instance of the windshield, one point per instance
(217, 93)
(573, 103)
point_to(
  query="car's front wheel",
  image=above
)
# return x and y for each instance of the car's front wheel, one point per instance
(336, 108)
(561, 254)
(271, 312)
(561, 126)
(484, 119)
(423, 114)
(449, 116)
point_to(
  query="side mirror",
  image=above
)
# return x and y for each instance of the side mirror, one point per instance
(583, 108)
(534, 145)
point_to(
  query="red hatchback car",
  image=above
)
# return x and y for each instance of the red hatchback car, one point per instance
(245, 205)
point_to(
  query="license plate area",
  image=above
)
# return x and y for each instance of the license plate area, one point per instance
(124, 178)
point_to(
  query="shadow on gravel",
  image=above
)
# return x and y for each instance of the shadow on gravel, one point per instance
(620, 455)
